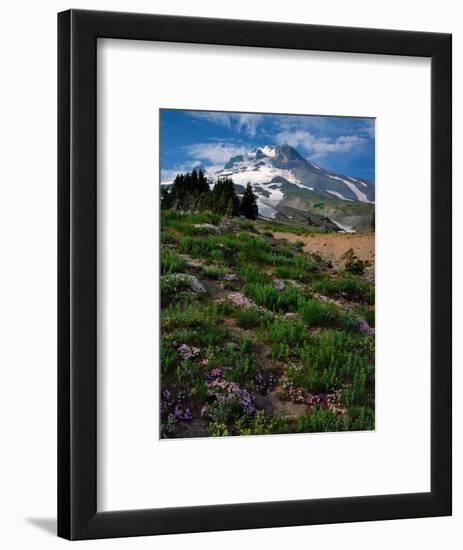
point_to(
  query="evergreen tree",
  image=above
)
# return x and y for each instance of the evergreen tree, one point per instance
(166, 199)
(223, 199)
(248, 206)
(189, 191)
(203, 185)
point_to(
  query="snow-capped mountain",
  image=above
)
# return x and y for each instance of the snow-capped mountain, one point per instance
(274, 170)
(290, 188)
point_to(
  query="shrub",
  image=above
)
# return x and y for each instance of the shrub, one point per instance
(316, 313)
(214, 271)
(299, 246)
(175, 289)
(354, 265)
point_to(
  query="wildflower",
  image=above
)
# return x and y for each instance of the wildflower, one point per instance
(187, 352)
(239, 299)
(216, 373)
(223, 395)
(365, 328)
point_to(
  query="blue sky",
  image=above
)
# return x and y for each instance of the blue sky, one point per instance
(345, 145)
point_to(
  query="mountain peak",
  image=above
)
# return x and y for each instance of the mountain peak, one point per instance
(280, 174)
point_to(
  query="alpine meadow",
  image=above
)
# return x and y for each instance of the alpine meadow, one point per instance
(267, 285)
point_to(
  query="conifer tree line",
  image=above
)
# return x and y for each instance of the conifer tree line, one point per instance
(191, 192)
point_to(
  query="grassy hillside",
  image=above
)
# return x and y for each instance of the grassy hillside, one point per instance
(258, 335)
(301, 204)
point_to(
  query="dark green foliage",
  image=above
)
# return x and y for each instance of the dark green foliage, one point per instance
(167, 199)
(189, 192)
(353, 264)
(318, 314)
(248, 205)
(223, 199)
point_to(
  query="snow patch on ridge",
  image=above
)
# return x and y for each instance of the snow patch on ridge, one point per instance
(268, 151)
(265, 210)
(336, 194)
(358, 181)
(344, 228)
(359, 194)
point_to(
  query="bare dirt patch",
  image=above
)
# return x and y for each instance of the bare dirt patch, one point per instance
(274, 406)
(332, 246)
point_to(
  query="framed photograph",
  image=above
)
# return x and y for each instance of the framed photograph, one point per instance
(254, 298)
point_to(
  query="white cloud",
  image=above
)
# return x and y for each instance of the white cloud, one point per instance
(368, 129)
(318, 147)
(215, 153)
(246, 123)
(222, 119)
(249, 123)
(296, 138)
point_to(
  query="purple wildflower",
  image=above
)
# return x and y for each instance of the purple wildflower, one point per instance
(365, 328)
(187, 352)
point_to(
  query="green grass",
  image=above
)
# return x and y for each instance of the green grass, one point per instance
(317, 343)
(248, 318)
(214, 271)
(333, 358)
(366, 313)
(347, 286)
(171, 262)
(315, 313)
(175, 289)
(284, 228)
(266, 295)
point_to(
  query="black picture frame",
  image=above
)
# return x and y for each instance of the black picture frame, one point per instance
(78, 517)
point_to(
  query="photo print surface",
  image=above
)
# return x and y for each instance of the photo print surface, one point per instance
(267, 254)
